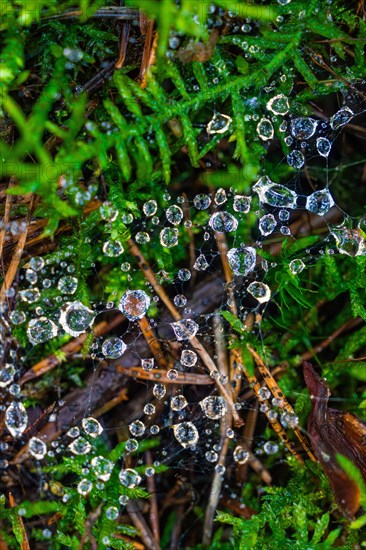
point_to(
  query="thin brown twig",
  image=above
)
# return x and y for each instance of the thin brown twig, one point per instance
(195, 343)
(140, 524)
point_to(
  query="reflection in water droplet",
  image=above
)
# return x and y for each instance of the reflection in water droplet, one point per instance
(76, 318)
(134, 304)
(260, 291)
(223, 222)
(265, 129)
(213, 406)
(185, 329)
(319, 202)
(278, 105)
(41, 330)
(186, 434)
(219, 124)
(242, 260)
(16, 418)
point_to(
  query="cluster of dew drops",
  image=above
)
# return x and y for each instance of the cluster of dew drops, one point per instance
(222, 212)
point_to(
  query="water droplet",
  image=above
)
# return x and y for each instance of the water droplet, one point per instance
(260, 291)
(211, 456)
(112, 249)
(267, 224)
(137, 428)
(201, 263)
(219, 124)
(91, 426)
(223, 222)
(147, 364)
(201, 202)
(278, 105)
(131, 445)
(185, 329)
(150, 208)
(108, 212)
(178, 403)
(142, 237)
(289, 420)
(112, 513)
(274, 194)
(84, 487)
(6, 375)
(264, 393)
(295, 159)
(134, 304)
(319, 202)
(37, 448)
(349, 241)
(149, 409)
(41, 330)
(323, 146)
(296, 266)
(242, 203)
(16, 418)
(113, 347)
(76, 318)
(184, 274)
(159, 391)
(303, 127)
(129, 478)
(67, 284)
(36, 263)
(186, 434)
(220, 196)
(188, 358)
(213, 406)
(240, 455)
(174, 214)
(80, 446)
(265, 129)
(169, 237)
(242, 260)
(270, 448)
(341, 117)
(102, 467)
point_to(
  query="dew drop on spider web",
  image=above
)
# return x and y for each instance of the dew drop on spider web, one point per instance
(289, 420)
(185, 329)
(188, 358)
(7, 374)
(36, 263)
(278, 105)
(113, 347)
(274, 194)
(295, 159)
(147, 364)
(142, 237)
(16, 418)
(201, 202)
(213, 407)
(264, 393)
(112, 249)
(220, 196)
(134, 304)
(159, 391)
(303, 127)
(211, 456)
(112, 513)
(341, 117)
(84, 487)
(223, 222)
(41, 330)
(323, 146)
(76, 318)
(80, 446)
(242, 260)
(137, 428)
(240, 455)
(186, 434)
(184, 274)
(219, 124)
(319, 202)
(131, 445)
(174, 214)
(242, 203)
(67, 284)
(180, 300)
(108, 212)
(102, 467)
(150, 208)
(260, 291)
(129, 478)
(169, 237)
(267, 224)
(172, 374)
(201, 264)
(265, 129)
(270, 448)
(349, 241)
(296, 266)
(91, 426)
(149, 409)
(37, 448)
(178, 403)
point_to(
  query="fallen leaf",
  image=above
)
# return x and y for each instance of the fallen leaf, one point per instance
(333, 432)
